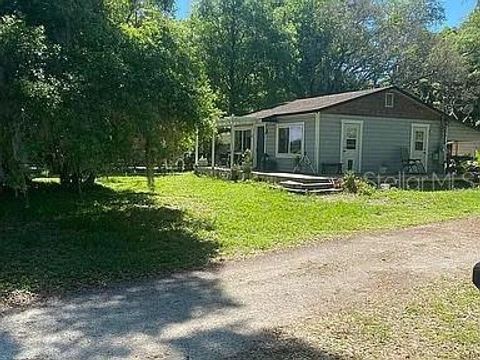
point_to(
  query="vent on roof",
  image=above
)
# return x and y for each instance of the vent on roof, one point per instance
(389, 100)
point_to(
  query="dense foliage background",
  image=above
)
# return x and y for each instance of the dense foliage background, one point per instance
(88, 85)
(261, 52)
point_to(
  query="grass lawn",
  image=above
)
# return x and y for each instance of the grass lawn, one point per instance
(121, 231)
(438, 321)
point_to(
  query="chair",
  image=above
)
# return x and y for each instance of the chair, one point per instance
(411, 166)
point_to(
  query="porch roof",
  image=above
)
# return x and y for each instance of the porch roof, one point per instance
(236, 121)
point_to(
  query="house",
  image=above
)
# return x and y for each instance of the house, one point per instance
(380, 130)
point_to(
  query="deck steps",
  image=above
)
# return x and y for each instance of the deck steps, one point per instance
(316, 191)
(319, 187)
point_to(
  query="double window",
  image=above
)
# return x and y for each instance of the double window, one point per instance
(290, 139)
(243, 140)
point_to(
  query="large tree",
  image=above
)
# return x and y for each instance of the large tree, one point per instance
(448, 77)
(247, 55)
(334, 47)
(120, 84)
(261, 52)
(28, 94)
(469, 45)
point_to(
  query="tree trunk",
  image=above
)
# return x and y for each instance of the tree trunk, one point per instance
(149, 165)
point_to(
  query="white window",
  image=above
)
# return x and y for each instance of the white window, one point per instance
(289, 139)
(389, 100)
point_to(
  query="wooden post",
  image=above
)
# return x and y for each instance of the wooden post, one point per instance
(232, 142)
(317, 143)
(213, 150)
(196, 147)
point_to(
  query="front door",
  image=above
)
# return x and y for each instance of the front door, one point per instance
(351, 150)
(260, 148)
(419, 144)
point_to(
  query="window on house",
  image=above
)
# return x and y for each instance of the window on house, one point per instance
(389, 100)
(419, 141)
(290, 139)
(243, 140)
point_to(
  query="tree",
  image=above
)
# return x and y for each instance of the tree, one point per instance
(469, 46)
(333, 42)
(247, 56)
(451, 79)
(404, 38)
(114, 85)
(166, 91)
(27, 93)
(259, 53)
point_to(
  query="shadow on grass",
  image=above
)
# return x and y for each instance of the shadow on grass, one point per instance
(64, 241)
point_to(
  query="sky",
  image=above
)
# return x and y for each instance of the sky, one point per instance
(456, 10)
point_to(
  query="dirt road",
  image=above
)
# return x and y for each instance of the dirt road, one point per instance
(220, 312)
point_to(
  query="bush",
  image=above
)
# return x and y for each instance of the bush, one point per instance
(247, 165)
(235, 173)
(355, 185)
(180, 165)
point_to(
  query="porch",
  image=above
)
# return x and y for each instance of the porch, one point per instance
(230, 140)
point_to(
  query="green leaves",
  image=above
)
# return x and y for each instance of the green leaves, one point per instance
(246, 53)
(260, 53)
(96, 87)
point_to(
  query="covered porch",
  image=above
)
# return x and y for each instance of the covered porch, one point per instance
(230, 140)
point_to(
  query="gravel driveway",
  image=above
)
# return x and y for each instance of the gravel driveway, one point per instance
(220, 312)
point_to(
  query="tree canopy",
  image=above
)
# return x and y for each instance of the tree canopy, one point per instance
(259, 53)
(86, 86)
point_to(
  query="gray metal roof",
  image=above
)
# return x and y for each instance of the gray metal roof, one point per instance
(313, 104)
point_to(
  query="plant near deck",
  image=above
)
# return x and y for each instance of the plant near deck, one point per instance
(353, 184)
(247, 165)
(235, 173)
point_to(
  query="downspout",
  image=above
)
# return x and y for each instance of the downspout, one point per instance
(232, 141)
(317, 142)
(445, 142)
(197, 145)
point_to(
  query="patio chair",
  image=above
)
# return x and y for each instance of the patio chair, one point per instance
(411, 166)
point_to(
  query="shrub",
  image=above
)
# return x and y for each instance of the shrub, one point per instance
(180, 165)
(355, 185)
(235, 173)
(247, 164)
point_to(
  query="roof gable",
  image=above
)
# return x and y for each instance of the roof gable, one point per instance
(405, 106)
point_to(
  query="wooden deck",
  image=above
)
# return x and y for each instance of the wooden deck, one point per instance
(296, 183)
(276, 177)
(305, 183)
(300, 183)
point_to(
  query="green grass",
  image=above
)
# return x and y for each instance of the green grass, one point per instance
(438, 321)
(121, 231)
(253, 216)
